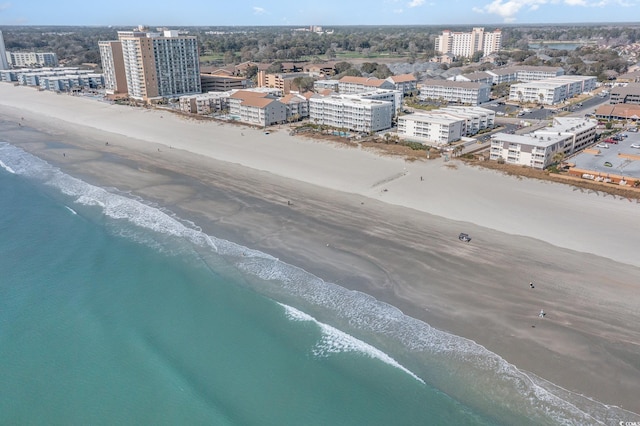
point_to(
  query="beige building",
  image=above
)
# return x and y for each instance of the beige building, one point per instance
(283, 81)
(158, 65)
(467, 44)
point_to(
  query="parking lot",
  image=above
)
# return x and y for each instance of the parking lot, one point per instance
(608, 161)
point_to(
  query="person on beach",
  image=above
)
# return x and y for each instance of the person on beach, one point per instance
(531, 285)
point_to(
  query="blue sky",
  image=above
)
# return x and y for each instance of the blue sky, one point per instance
(325, 12)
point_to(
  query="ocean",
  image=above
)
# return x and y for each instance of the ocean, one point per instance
(115, 311)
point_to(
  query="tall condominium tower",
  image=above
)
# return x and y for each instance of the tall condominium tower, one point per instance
(4, 65)
(155, 65)
(115, 77)
(466, 44)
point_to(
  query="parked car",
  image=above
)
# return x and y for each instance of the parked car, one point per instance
(464, 237)
(602, 145)
(610, 140)
(635, 145)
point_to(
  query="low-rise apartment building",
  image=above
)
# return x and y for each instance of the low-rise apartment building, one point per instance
(629, 94)
(462, 92)
(405, 83)
(32, 59)
(350, 84)
(430, 128)
(566, 136)
(320, 85)
(445, 125)
(360, 115)
(283, 81)
(257, 108)
(552, 90)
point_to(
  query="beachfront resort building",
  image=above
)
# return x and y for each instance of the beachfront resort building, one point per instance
(157, 65)
(461, 92)
(55, 79)
(258, 108)
(467, 44)
(566, 136)
(552, 91)
(430, 128)
(115, 77)
(4, 64)
(351, 112)
(445, 125)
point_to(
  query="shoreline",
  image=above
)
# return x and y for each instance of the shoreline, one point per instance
(412, 258)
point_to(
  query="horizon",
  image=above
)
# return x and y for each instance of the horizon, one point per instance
(332, 13)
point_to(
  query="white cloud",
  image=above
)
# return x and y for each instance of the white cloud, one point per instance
(398, 11)
(508, 9)
(259, 10)
(415, 3)
(5, 6)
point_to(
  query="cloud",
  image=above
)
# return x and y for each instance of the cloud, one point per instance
(398, 11)
(415, 3)
(508, 9)
(5, 6)
(259, 10)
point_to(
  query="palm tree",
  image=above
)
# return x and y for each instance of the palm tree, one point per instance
(558, 157)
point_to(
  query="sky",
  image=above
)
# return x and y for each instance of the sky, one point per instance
(324, 13)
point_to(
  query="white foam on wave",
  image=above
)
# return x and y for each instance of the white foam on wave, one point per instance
(334, 341)
(71, 210)
(7, 168)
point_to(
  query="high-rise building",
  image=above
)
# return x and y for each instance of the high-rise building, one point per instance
(466, 44)
(155, 65)
(4, 65)
(115, 78)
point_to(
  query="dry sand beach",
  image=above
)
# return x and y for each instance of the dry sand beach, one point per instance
(370, 223)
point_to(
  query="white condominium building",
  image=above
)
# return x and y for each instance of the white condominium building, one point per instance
(431, 128)
(538, 149)
(445, 125)
(552, 91)
(456, 91)
(466, 44)
(360, 115)
(158, 65)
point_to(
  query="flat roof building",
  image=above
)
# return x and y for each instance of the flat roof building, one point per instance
(467, 44)
(158, 65)
(564, 137)
(629, 94)
(360, 115)
(456, 91)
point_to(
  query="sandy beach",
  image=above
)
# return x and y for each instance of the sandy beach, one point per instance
(385, 227)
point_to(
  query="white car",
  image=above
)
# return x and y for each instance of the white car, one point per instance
(635, 145)
(602, 145)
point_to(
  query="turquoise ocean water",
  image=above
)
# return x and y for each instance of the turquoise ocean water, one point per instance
(113, 311)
